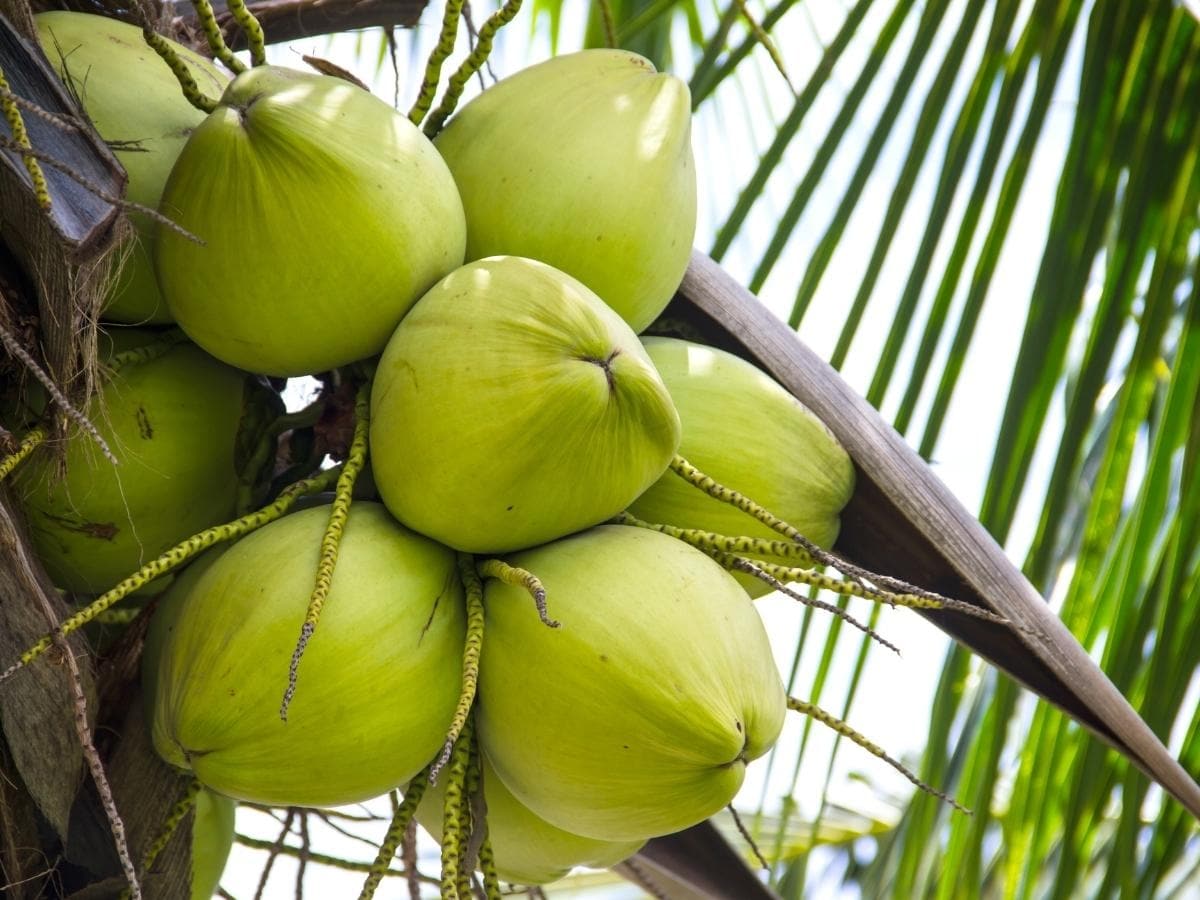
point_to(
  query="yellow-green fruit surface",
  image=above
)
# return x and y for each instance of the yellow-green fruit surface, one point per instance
(172, 424)
(744, 430)
(135, 103)
(325, 215)
(377, 685)
(638, 715)
(212, 839)
(511, 407)
(527, 849)
(583, 162)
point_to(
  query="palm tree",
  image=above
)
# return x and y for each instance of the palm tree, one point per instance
(876, 172)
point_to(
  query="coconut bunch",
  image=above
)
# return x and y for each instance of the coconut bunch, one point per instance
(538, 609)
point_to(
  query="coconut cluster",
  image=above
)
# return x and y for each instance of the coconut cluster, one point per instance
(495, 279)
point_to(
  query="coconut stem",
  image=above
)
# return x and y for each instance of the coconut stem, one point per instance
(175, 557)
(502, 571)
(400, 820)
(28, 444)
(433, 66)
(853, 573)
(831, 721)
(487, 865)
(331, 540)
(185, 805)
(471, 65)
(472, 649)
(456, 815)
(708, 540)
(256, 41)
(476, 818)
(16, 124)
(191, 90)
(212, 33)
(718, 491)
(147, 352)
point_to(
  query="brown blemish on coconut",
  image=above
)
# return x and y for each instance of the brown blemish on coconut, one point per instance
(145, 429)
(103, 531)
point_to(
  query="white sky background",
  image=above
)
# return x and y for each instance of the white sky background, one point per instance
(729, 134)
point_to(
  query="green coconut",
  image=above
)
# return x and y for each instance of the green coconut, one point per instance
(135, 103)
(511, 407)
(637, 717)
(584, 162)
(527, 849)
(744, 430)
(324, 213)
(212, 839)
(173, 425)
(378, 683)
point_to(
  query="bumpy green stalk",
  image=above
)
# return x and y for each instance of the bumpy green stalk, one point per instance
(147, 352)
(256, 41)
(476, 818)
(332, 539)
(212, 33)
(718, 491)
(487, 865)
(117, 616)
(16, 124)
(708, 540)
(456, 815)
(28, 444)
(433, 67)
(471, 65)
(815, 712)
(502, 571)
(185, 805)
(175, 557)
(472, 649)
(191, 90)
(395, 834)
(848, 588)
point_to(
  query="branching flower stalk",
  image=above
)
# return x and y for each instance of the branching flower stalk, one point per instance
(502, 571)
(212, 33)
(256, 41)
(16, 124)
(456, 816)
(438, 56)
(831, 721)
(472, 649)
(331, 541)
(175, 557)
(890, 590)
(32, 440)
(187, 82)
(395, 834)
(170, 825)
(471, 65)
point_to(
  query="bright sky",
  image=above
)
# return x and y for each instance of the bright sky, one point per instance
(893, 702)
